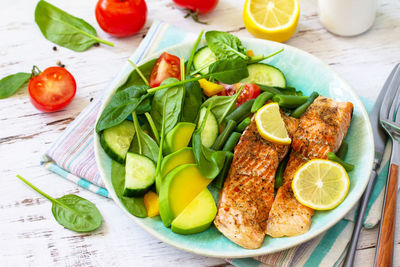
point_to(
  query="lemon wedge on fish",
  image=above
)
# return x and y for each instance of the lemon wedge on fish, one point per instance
(270, 124)
(321, 184)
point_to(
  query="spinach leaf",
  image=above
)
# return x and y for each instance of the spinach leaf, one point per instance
(64, 29)
(210, 162)
(143, 143)
(10, 84)
(71, 211)
(193, 52)
(122, 104)
(225, 45)
(134, 77)
(222, 105)
(228, 71)
(192, 102)
(173, 98)
(134, 205)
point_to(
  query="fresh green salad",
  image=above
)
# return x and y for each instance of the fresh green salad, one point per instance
(171, 128)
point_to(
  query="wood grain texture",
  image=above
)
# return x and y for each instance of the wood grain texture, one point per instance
(29, 235)
(384, 254)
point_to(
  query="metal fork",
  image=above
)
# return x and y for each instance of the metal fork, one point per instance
(390, 121)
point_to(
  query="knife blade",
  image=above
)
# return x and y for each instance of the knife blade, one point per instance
(380, 138)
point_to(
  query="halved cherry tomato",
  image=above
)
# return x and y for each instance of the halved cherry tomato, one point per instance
(250, 91)
(202, 6)
(52, 89)
(166, 66)
(121, 18)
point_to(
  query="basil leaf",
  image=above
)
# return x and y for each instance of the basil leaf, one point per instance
(210, 162)
(229, 71)
(135, 79)
(222, 105)
(122, 104)
(225, 45)
(134, 205)
(76, 213)
(71, 211)
(64, 29)
(143, 143)
(192, 102)
(173, 98)
(10, 84)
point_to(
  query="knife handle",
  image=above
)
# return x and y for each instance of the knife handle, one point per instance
(384, 250)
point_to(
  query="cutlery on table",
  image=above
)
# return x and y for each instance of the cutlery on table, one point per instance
(390, 121)
(379, 145)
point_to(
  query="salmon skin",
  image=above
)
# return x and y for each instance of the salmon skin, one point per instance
(321, 130)
(248, 191)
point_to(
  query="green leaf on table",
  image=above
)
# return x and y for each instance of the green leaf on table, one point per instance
(225, 45)
(10, 84)
(72, 211)
(172, 98)
(64, 29)
(122, 104)
(134, 205)
(229, 71)
(192, 102)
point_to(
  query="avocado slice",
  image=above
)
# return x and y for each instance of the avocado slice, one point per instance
(179, 137)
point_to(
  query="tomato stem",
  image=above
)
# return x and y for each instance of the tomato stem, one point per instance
(35, 71)
(195, 16)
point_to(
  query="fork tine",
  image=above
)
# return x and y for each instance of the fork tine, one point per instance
(388, 107)
(395, 104)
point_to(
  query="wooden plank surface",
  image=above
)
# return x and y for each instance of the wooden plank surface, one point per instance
(28, 233)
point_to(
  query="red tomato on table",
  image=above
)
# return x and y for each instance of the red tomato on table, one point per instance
(121, 18)
(250, 91)
(52, 89)
(166, 66)
(202, 6)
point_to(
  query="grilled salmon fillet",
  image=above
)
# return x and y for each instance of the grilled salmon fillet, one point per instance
(248, 191)
(321, 130)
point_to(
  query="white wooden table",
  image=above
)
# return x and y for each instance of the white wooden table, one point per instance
(28, 233)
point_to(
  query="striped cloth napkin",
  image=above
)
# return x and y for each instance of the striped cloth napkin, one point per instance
(72, 157)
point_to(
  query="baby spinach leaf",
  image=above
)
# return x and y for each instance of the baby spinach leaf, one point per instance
(72, 211)
(225, 45)
(173, 99)
(229, 71)
(134, 77)
(222, 105)
(64, 29)
(192, 102)
(143, 143)
(10, 84)
(134, 205)
(122, 104)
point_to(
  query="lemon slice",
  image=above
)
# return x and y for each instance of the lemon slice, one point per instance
(270, 124)
(275, 20)
(321, 184)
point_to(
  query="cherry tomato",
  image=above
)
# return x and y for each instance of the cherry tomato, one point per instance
(202, 6)
(121, 18)
(250, 91)
(166, 66)
(52, 89)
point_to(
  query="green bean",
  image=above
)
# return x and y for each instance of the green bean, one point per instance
(221, 139)
(243, 111)
(246, 122)
(280, 171)
(300, 110)
(289, 101)
(348, 166)
(219, 181)
(231, 142)
(280, 90)
(260, 100)
(341, 153)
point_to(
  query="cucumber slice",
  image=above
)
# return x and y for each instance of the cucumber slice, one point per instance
(140, 174)
(203, 57)
(210, 131)
(265, 74)
(117, 139)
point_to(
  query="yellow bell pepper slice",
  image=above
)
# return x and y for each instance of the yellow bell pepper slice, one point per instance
(151, 203)
(210, 88)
